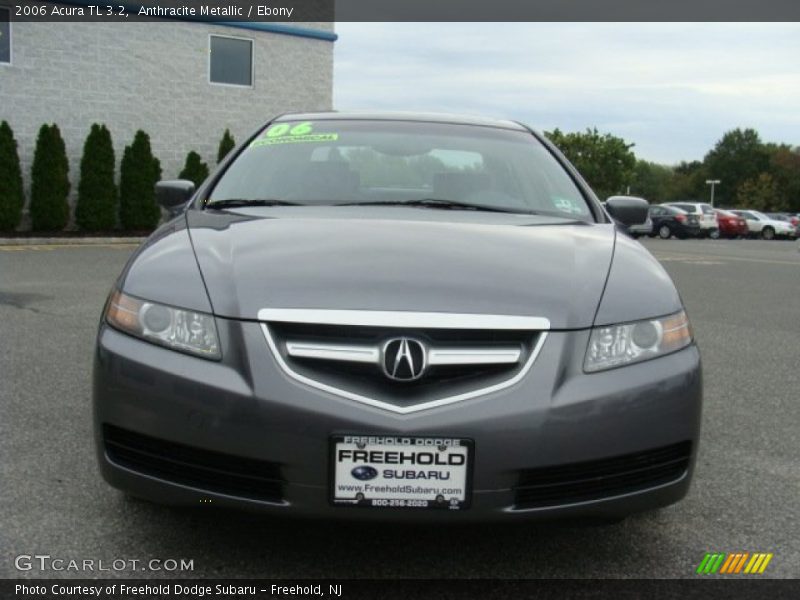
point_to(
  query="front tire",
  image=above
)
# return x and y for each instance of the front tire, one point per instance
(768, 233)
(714, 235)
(664, 232)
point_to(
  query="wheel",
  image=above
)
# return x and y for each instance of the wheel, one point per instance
(664, 232)
(714, 235)
(768, 233)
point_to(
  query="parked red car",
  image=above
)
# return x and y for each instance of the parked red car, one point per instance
(731, 225)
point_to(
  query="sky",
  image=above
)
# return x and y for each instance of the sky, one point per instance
(672, 89)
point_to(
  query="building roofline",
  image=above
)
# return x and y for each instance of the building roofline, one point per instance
(280, 28)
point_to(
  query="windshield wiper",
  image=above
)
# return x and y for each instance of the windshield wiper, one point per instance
(234, 202)
(440, 204)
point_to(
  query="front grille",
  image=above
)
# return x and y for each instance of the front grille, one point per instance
(193, 467)
(597, 479)
(368, 379)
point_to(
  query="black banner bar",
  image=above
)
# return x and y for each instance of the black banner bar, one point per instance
(733, 588)
(293, 11)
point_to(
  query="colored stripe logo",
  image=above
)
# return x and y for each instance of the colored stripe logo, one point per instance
(734, 563)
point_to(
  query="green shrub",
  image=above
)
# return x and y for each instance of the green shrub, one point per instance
(96, 209)
(195, 169)
(138, 174)
(12, 197)
(226, 144)
(49, 181)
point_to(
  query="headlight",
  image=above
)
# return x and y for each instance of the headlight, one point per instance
(183, 330)
(618, 345)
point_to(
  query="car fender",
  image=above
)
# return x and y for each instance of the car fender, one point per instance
(638, 287)
(164, 269)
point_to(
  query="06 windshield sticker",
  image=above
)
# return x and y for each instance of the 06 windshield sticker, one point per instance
(288, 133)
(567, 205)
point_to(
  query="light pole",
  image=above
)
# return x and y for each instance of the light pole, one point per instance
(712, 183)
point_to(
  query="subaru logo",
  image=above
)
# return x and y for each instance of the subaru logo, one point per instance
(364, 473)
(404, 359)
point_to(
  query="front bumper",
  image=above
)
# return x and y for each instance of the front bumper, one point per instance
(246, 407)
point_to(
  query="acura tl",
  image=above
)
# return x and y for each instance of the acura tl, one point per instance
(397, 316)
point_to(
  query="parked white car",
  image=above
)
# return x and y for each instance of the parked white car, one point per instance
(705, 215)
(760, 225)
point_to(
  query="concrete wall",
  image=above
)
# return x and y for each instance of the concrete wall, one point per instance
(152, 76)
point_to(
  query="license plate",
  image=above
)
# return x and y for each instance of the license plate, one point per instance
(386, 471)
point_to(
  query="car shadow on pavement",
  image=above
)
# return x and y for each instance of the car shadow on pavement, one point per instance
(228, 543)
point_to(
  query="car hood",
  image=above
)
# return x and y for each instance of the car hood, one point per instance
(402, 260)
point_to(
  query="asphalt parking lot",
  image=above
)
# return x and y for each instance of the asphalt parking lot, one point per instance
(744, 301)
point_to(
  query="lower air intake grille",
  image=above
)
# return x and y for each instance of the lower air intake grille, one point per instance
(597, 479)
(186, 465)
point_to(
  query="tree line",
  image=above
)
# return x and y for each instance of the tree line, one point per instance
(101, 205)
(752, 173)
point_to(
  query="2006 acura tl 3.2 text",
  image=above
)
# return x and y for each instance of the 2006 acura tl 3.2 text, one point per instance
(397, 317)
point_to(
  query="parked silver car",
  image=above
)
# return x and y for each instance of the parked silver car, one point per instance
(766, 227)
(644, 229)
(397, 317)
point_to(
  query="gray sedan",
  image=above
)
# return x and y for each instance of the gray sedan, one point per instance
(397, 317)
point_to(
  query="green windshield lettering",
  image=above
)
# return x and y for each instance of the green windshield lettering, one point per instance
(277, 130)
(281, 129)
(295, 139)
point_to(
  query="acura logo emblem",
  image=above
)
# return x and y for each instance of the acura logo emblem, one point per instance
(404, 359)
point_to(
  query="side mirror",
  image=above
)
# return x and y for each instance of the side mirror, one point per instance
(628, 210)
(171, 194)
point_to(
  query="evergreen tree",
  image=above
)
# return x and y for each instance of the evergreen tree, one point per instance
(11, 194)
(96, 209)
(195, 169)
(49, 181)
(138, 174)
(226, 144)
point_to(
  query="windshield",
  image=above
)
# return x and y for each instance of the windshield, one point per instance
(390, 162)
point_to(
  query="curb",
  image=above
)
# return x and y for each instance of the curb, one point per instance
(70, 241)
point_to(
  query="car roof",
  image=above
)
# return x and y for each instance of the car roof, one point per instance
(688, 203)
(424, 117)
(675, 208)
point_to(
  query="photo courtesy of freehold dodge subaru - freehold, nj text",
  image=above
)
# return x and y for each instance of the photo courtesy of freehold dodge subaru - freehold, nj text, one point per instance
(397, 317)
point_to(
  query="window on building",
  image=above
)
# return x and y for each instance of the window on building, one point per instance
(230, 60)
(5, 35)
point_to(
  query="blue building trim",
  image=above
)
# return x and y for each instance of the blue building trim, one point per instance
(303, 32)
(280, 28)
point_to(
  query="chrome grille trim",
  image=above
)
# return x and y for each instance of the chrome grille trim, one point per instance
(537, 325)
(360, 354)
(398, 318)
(436, 356)
(474, 356)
